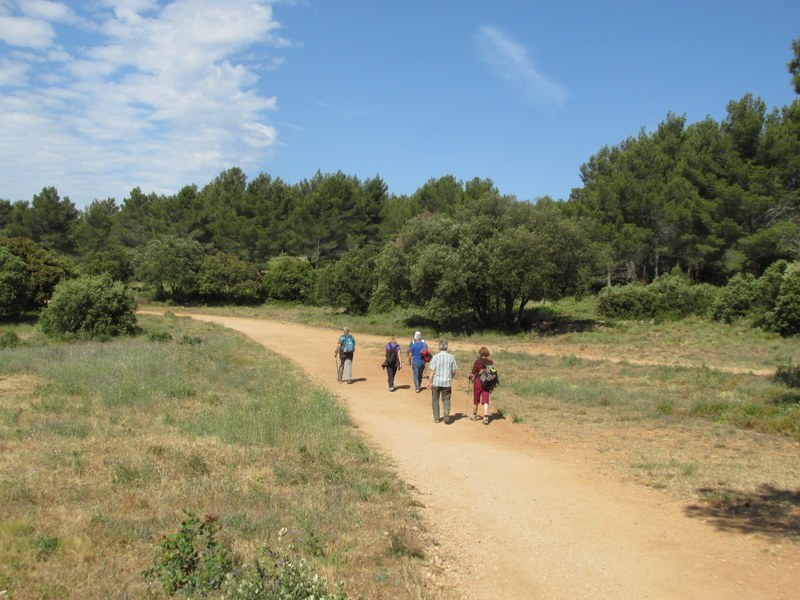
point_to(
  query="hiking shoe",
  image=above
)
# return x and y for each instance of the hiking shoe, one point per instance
(485, 420)
(473, 417)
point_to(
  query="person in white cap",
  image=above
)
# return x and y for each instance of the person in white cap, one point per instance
(345, 348)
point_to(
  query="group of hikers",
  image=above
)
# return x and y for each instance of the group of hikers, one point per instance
(441, 369)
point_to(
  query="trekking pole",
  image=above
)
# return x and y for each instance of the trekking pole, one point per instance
(466, 401)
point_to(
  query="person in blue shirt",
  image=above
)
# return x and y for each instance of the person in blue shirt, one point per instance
(416, 360)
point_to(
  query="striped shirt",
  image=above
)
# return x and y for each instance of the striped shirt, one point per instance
(443, 366)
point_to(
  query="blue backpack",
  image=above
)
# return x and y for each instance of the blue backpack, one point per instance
(348, 343)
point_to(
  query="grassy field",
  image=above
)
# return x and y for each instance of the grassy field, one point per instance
(104, 446)
(690, 408)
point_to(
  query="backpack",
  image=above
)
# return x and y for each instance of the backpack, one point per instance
(489, 378)
(425, 355)
(348, 343)
(391, 356)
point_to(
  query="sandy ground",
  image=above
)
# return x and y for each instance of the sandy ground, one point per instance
(515, 516)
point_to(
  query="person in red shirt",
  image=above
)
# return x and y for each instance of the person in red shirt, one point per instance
(480, 393)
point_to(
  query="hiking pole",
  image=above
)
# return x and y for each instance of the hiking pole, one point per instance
(466, 401)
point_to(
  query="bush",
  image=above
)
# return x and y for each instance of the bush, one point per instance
(770, 283)
(277, 575)
(14, 284)
(227, 278)
(674, 296)
(631, 301)
(741, 296)
(89, 307)
(288, 278)
(788, 375)
(9, 339)
(192, 560)
(786, 318)
(704, 298)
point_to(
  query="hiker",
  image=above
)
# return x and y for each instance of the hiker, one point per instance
(416, 359)
(345, 348)
(484, 379)
(392, 362)
(443, 368)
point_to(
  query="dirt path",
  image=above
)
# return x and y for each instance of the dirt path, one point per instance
(517, 517)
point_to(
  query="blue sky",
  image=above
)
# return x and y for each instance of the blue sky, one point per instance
(100, 96)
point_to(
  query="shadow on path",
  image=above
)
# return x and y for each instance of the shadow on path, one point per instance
(768, 510)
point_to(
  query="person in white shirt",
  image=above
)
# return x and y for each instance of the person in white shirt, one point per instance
(443, 368)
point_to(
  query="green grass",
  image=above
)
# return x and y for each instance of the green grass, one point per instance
(105, 444)
(635, 392)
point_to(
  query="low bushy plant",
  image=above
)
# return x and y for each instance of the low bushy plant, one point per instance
(788, 375)
(740, 296)
(674, 296)
(631, 301)
(192, 560)
(8, 339)
(288, 279)
(278, 574)
(89, 307)
(770, 282)
(786, 318)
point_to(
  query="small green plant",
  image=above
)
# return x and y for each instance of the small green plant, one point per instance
(788, 375)
(9, 339)
(159, 336)
(278, 574)
(46, 545)
(192, 560)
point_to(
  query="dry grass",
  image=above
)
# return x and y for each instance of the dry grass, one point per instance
(690, 433)
(103, 447)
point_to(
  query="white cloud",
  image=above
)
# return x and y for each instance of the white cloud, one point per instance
(510, 61)
(46, 10)
(26, 32)
(160, 96)
(13, 72)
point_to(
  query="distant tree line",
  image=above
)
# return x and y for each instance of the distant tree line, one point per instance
(710, 200)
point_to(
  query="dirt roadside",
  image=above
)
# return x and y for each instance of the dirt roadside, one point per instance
(518, 517)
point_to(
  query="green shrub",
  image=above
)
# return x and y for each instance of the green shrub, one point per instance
(704, 298)
(192, 561)
(14, 284)
(770, 282)
(288, 278)
(89, 307)
(228, 278)
(788, 375)
(9, 339)
(787, 305)
(631, 301)
(674, 296)
(741, 296)
(277, 574)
